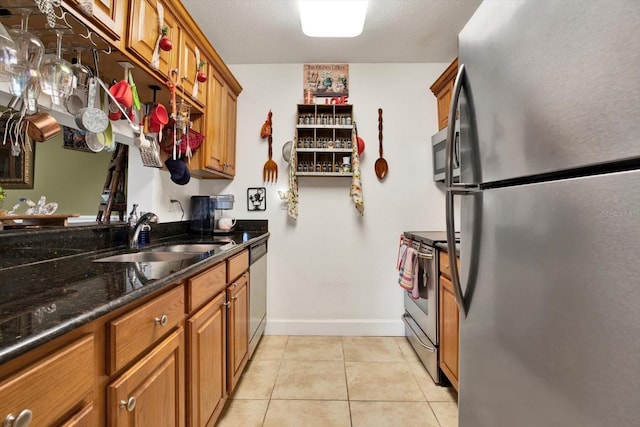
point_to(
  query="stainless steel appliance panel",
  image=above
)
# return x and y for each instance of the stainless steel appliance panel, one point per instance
(425, 349)
(553, 291)
(421, 314)
(257, 293)
(438, 151)
(554, 84)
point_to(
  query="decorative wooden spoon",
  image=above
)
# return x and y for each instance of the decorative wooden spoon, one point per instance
(380, 166)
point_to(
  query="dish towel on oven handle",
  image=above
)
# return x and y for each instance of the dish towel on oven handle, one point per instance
(408, 279)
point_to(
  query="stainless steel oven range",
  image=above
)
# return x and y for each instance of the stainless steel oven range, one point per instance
(421, 315)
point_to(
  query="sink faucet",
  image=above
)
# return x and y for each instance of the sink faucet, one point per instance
(134, 232)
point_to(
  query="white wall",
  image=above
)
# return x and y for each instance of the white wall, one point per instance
(331, 271)
(152, 189)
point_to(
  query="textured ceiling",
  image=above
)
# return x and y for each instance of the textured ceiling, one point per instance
(395, 31)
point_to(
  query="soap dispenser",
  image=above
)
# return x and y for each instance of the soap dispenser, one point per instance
(133, 216)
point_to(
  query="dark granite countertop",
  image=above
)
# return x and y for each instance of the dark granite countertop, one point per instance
(443, 246)
(433, 238)
(50, 284)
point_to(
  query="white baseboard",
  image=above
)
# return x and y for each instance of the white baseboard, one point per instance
(340, 327)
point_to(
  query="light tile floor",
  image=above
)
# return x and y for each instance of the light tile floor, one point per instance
(338, 381)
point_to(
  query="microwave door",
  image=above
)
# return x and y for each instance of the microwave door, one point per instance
(439, 143)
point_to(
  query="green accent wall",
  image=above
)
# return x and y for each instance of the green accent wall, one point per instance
(71, 178)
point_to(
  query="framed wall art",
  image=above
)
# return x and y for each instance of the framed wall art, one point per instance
(257, 199)
(325, 81)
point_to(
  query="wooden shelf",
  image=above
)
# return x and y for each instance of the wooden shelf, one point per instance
(326, 174)
(59, 220)
(319, 126)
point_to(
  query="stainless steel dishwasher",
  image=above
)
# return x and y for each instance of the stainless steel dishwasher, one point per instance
(257, 293)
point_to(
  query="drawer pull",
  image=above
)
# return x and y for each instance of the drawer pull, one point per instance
(162, 320)
(22, 420)
(129, 404)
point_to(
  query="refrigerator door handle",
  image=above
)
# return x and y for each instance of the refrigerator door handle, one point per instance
(453, 189)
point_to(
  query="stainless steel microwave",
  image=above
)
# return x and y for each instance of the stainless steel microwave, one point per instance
(439, 144)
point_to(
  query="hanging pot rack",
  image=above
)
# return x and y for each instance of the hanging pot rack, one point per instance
(39, 24)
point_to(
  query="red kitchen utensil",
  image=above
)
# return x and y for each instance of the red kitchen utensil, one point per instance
(158, 119)
(359, 140)
(265, 130)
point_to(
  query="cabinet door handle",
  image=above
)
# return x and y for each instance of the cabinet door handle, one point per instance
(227, 304)
(162, 320)
(22, 420)
(129, 404)
(235, 297)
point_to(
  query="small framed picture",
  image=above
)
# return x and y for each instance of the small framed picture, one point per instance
(257, 199)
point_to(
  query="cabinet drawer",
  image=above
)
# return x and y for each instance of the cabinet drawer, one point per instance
(83, 418)
(445, 267)
(135, 331)
(237, 264)
(53, 387)
(205, 286)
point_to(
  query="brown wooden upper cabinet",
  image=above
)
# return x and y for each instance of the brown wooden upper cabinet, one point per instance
(218, 156)
(144, 31)
(133, 26)
(443, 89)
(190, 56)
(110, 16)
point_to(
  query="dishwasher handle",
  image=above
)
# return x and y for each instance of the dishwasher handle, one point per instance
(257, 251)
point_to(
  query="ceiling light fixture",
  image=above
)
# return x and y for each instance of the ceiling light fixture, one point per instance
(332, 18)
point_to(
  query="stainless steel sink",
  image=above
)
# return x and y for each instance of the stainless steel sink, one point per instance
(148, 256)
(187, 247)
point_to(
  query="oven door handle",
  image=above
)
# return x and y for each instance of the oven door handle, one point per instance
(415, 334)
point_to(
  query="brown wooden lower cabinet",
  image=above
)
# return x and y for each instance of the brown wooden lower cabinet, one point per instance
(206, 367)
(83, 418)
(53, 389)
(237, 329)
(449, 331)
(151, 392)
(137, 366)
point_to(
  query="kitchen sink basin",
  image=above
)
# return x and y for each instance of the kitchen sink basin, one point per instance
(187, 247)
(148, 256)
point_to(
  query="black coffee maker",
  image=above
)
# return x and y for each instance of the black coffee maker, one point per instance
(202, 214)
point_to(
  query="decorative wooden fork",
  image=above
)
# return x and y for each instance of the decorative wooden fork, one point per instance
(270, 171)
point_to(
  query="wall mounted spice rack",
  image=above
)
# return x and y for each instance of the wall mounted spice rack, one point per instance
(324, 139)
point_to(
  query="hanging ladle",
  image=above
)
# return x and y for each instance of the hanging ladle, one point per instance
(380, 166)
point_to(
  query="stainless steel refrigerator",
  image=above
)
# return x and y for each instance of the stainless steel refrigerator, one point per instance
(549, 287)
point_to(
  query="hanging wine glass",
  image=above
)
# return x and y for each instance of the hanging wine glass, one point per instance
(56, 75)
(24, 74)
(81, 75)
(8, 53)
(30, 48)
